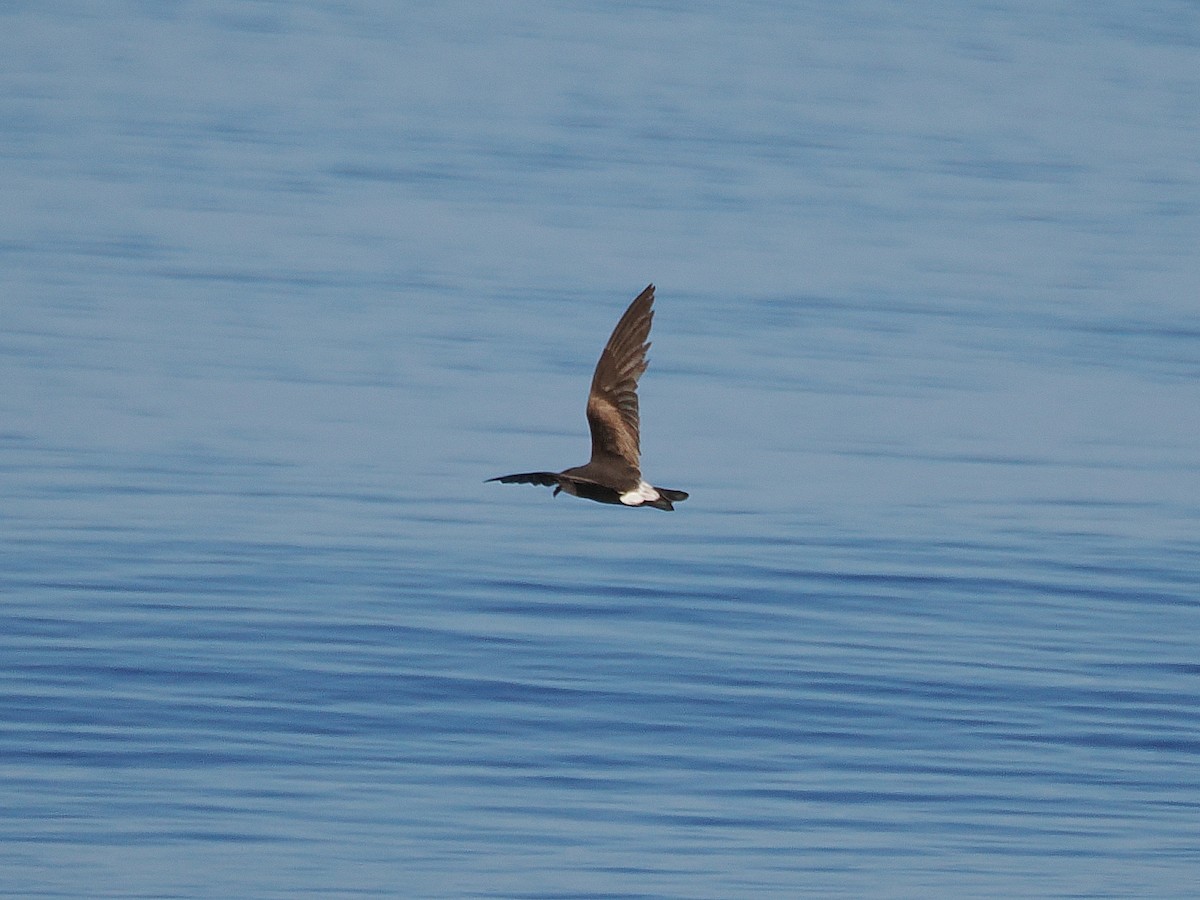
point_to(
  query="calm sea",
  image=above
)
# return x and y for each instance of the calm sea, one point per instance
(281, 283)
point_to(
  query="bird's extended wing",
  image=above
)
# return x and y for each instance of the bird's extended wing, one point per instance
(543, 478)
(612, 407)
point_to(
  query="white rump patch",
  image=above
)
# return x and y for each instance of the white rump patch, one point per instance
(643, 493)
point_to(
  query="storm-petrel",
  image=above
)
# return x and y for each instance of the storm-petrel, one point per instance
(614, 474)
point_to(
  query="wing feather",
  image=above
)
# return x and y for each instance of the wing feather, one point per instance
(543, 478)
(612, 408)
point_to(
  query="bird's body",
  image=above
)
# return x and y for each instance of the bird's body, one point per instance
(613, 474)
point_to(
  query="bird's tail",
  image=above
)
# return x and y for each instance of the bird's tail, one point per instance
(667, 498)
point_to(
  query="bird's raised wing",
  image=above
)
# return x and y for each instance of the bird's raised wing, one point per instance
(612, 407)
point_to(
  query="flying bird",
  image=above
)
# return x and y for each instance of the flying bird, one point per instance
(614, 473)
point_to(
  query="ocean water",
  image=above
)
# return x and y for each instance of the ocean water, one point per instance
(282, 283)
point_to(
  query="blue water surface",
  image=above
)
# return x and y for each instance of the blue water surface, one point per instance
(282, 283)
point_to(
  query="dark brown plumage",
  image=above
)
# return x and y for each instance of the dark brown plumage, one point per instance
(614, 474)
